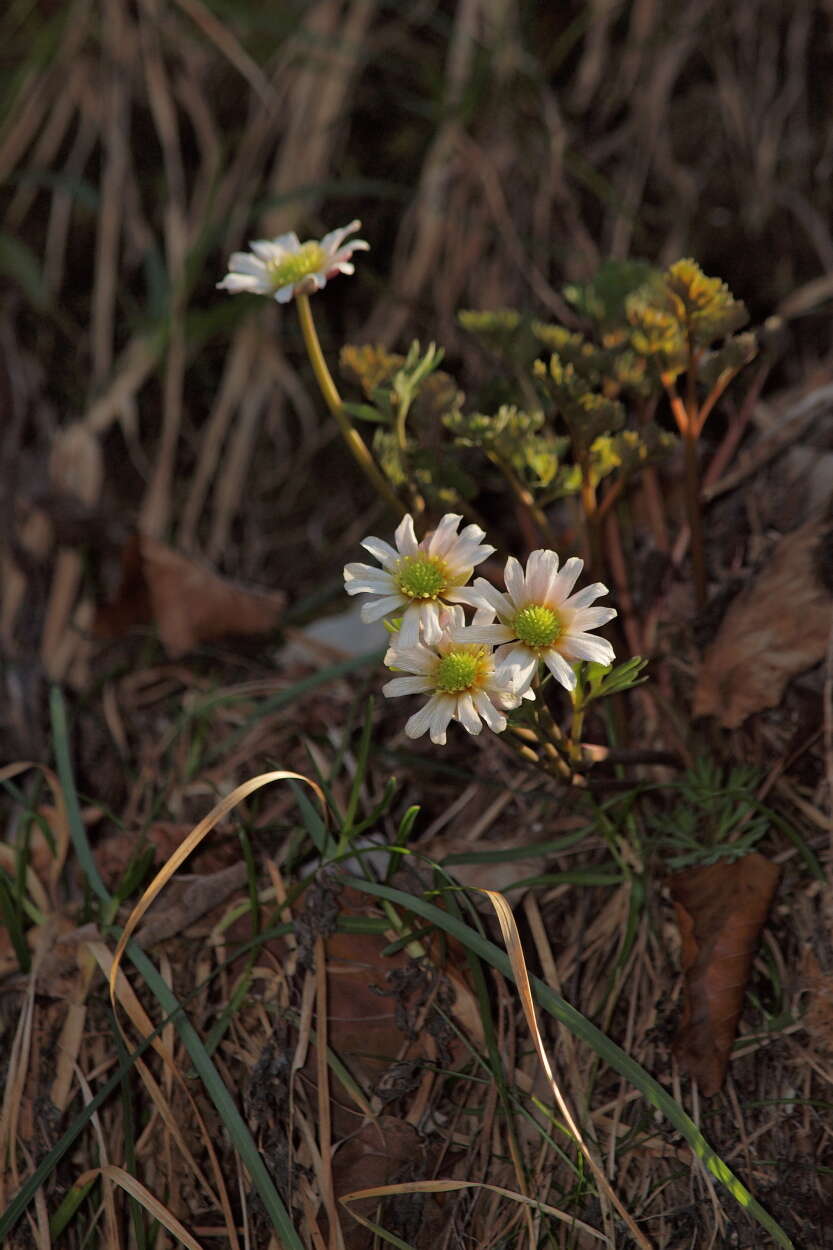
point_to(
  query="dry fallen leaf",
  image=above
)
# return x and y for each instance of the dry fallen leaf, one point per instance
(188, 602)
(721, 909)
(776, 628)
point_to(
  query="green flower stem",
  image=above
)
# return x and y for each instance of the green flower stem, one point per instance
(327, 386)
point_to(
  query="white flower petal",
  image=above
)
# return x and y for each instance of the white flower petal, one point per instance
(284, 294)
(587, 647)
(493, 718)
(489, 634)
(445, 535)
(409, 629)
(244, 262)
(429, 616)
(358, 572)
(333, 240)
(441, 717)
(483, 595)
(405, 685)
(564, 582)
(420, 722)
(513, 576)
(383, 551)
(406, 542)
(377, 608)
(237, 282)
(276, 249)
(584, 597)
(560, 669)
(466, 714)
(541, 569)
(516, 664)
(411, 660)
(591, 618)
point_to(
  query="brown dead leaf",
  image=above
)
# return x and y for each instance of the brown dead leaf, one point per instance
(721, 909)
(187, 601)
(774, 629)
(382, 1153)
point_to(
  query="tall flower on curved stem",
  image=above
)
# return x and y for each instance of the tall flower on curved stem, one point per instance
(539, 620)
(461, 678)
(417, 579)
(284, 267)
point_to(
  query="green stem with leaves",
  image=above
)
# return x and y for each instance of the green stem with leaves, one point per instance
(328, 389)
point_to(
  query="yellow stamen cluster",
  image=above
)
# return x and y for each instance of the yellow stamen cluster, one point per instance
(421, 577)
(537, 625)
(293, 268)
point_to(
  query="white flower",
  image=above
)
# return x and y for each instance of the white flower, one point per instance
(284, 267)
(539, 619)
(417, 577)
(461, 677)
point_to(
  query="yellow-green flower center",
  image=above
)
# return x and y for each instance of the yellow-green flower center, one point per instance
(458, 670)
(421, 577)
(297, 265)
(537, 625)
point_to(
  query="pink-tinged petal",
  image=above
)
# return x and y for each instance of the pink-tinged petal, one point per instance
(377, 608)
(405, 538)
(588, 647)
(560, 669)
(244, 262)
(405, 685)
(383, 551)
(409, 629)
(343, 266)
(564, 582)
(237, 282)
(591, 618)
(513, 576)
(493, 718)
(445, 535)
(429, 615)
(541, 569)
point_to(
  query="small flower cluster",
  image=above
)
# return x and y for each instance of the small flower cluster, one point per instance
(474, 673)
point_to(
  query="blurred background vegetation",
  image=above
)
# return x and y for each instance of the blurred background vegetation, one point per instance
(494, 151)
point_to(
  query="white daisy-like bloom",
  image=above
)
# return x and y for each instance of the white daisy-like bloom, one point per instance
(284, 267)
(462, 678)
(538, 619)
(417, 579)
